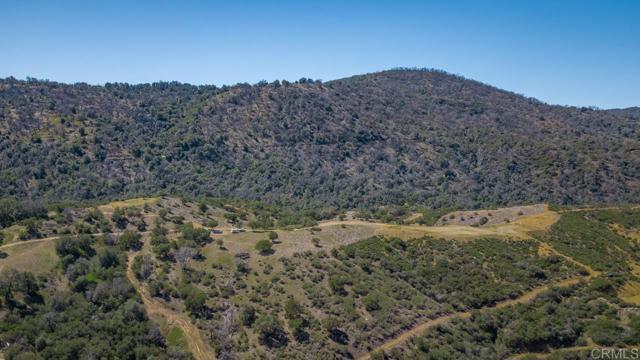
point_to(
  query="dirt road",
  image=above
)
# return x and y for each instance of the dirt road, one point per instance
(198, 347)
(523, 299)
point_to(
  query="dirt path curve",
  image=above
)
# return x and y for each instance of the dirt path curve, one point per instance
(420, 328)
(525, 298)
(592, 273)
(198, 347)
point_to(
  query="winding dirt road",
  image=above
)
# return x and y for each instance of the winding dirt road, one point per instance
(198, 347)
(201, 350)
(523, 299)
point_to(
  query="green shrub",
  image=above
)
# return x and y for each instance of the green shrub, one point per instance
(264, 247)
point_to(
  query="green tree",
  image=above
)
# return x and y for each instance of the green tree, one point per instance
(264, 247)
(247, 315)
(130, 240)
(270, 331)
(119, 218)
(200, 236)
(196, 301)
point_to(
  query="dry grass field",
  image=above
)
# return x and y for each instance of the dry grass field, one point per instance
(492, 216)
(37, 257)
(630, 292)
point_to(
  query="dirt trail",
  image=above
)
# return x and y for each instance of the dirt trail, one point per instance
(525, 298)
(597, 208)
(197, 346)
(25, 242)
(518, 228)
(51, 238)
(417, 330)
(592, 273)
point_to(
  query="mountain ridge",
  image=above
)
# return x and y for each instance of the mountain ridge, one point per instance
(392, 137)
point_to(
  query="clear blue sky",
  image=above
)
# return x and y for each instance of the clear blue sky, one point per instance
(563, 52)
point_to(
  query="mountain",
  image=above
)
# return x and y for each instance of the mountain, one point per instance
(393, 137)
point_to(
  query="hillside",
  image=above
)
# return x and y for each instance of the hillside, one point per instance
(147, 278)
(423, 137)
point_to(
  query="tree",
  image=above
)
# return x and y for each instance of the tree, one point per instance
(130, 240)
(247, 315)
(142, 266)
(371, 301)
(270, 331)
(32, 226)
(264, 247)
(294, 312)
(196, 301)
(293, 309)
(332, 326)
(71, 248)
(119, 218)
(108, 259)
(273, 236)
(224, 334)
(184, 254)
(200, 236)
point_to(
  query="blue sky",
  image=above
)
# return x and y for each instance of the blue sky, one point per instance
(562, 52)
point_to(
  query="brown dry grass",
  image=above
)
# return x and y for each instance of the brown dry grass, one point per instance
(335, 233)
(34, 256)
(494, 216)
(108, 208)
(630, 292)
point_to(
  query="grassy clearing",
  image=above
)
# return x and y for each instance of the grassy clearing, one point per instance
(331, 234)
(38, 257)
(630, 292)
(129, 203)
(491, 216)
(635, 269)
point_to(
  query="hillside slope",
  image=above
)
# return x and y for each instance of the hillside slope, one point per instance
(389, 137)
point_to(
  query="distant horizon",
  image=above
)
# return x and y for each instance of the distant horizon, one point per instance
(103, 84)
(575, 53)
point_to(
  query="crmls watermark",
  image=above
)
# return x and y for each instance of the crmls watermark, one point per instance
(615, 353)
